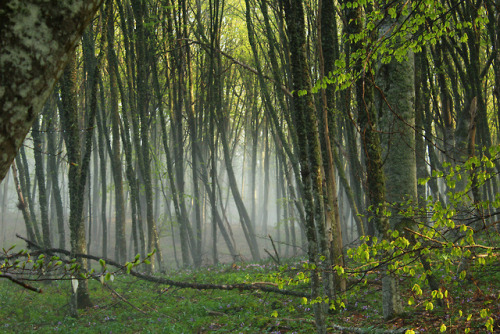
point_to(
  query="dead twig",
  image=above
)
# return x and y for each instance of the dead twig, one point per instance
(123, 299)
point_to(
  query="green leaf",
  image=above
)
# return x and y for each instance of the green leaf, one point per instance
(442, 328)
(392, 12)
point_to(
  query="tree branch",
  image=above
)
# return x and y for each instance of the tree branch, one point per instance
(161, 280)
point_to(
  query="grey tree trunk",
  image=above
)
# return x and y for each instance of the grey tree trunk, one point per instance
(53, 171)
(22, 205)
(396, 107)
(32, 60)
(40, 175)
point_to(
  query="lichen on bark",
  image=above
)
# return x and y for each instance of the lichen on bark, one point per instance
(35, 39)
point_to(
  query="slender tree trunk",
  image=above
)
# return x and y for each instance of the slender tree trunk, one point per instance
(104, 191)
(53, 172)
(120, 237)
(22, 205)
(40, 175)
(327, 31)
(265, 188)
(24, 175)
(143, 148)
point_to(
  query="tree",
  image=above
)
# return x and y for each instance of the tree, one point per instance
(36, 40)
(308, 147)
(78, 166)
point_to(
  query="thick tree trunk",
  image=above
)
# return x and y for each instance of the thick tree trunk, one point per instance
(308, 148)
(397, 84)
(36, 40)
(77, 173)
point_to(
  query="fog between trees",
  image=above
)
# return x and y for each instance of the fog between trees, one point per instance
(209, 130)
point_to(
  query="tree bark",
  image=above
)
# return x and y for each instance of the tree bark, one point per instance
(40, 175)
(308, 148)
(116, 163)
(77, 173)
(36, 41)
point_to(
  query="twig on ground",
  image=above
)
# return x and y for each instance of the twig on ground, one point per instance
(370, 330)
(274, 247)
(123, 299)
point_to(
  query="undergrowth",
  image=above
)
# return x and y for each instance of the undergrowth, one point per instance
(130, 305)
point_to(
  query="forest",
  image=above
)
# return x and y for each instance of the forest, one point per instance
(256, 166)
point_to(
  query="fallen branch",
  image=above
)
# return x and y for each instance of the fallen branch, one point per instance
(161, 280)
(370, 330)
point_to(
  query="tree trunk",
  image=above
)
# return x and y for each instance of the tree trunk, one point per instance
(120, 237)
(53, 171)
(77, 173)
(397, 86)
(143, 147)
(40, 175)
(308, 148)
(31, 61)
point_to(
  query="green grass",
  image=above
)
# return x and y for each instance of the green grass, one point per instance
(164, 309)
(167, 309)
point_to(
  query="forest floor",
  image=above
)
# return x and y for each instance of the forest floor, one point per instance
(131, 305)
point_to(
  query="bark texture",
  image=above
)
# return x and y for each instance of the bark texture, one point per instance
(36, 40)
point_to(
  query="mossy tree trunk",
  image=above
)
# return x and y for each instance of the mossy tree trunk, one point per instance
(309, 149)
(396, 81)
(328, 53)
(116, 164)
(78, 167)
(31, 61)
(142, 144)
